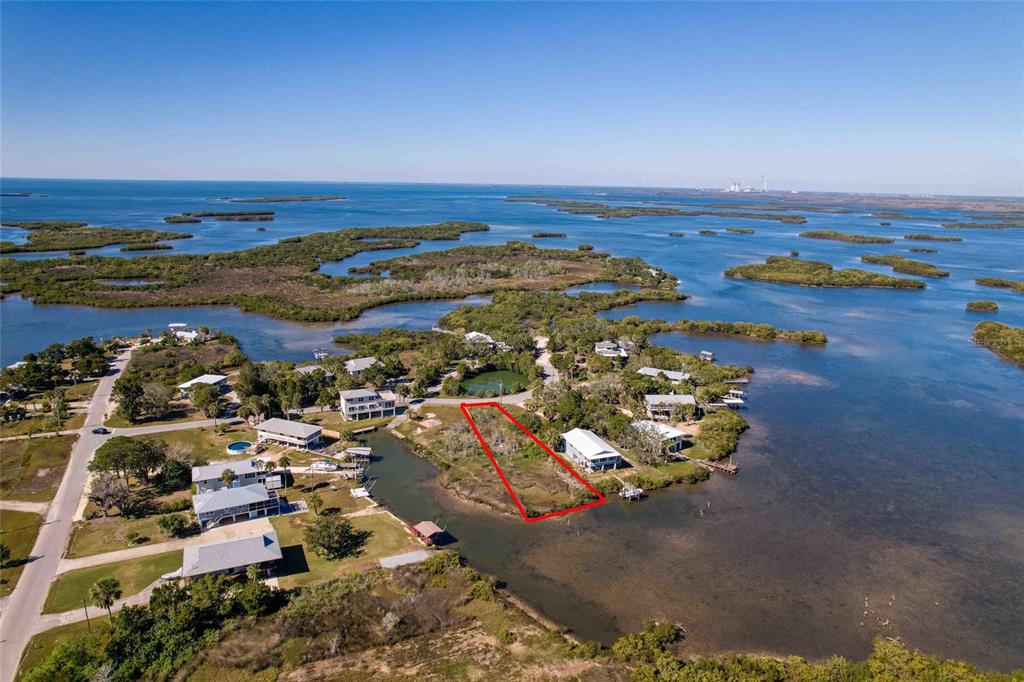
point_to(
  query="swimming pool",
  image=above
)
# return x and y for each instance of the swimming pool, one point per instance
(238, 447)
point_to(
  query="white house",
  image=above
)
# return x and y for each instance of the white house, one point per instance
(479, 338)
(357, 366)
(309, 369)
(228, 505)
(230, 556)
(616, 350)
(366, 403)
(287, 432)
(208, 477)
(672, 375)
(670, 437)
(218, 380)
(660, 406)
(590, 450)
(186, 336)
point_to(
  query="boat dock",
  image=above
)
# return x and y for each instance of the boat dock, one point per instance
(729, 468)
(365, 429)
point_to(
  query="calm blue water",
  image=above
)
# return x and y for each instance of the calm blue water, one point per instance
(887, 465)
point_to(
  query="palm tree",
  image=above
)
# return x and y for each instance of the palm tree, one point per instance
(315, 502)
(104, 593)
(284, 462)
(228, 476)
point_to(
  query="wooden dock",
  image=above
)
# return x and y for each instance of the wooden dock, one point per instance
(727, 468)
(365, 429)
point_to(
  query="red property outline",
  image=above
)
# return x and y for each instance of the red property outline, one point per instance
(601, 499)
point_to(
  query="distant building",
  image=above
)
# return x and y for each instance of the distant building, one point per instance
(309, 369)
(230, 556)
(672, 375)
(616, 350)
(671, 438)
(186, 336)
(479, 338)
(229, 505)
(661, 406)
(357, 366)
(218, 380)
(296, 434)
(366, 403)
(590, 450)
(707, 356)
(208, 477)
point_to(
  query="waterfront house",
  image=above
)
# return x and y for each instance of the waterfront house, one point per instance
(661, 406)
(671, 438)
(707, 356)
(366, 403)
(610, 349)
(296, 434)
(590, 450)
(247, 472)
(672, 375)
(218, 380)
(357, 366)
(230, 556)
(481, 339)
(309, 369)
(228, 505)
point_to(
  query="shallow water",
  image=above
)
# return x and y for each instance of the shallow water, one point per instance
(885, 466)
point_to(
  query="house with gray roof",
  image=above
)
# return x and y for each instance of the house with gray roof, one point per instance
(590, 450)
(247, 472)
(366, 403)
(661, 406)
(230, 556)
(356, 366)
(229, 505)
(672, 375)
(286, 432)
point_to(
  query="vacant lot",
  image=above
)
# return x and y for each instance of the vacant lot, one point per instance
(19, 531)
(31, 470)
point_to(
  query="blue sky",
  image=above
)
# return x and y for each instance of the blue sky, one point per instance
(831, 96)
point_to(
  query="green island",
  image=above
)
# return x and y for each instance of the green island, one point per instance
(548, 235)
(922, 249)
(606, 211)
(281, 280)
(835, 236)
(1005, 341)
(982, 306)
(282, 200)
(924, 237)
(707, 233)
(740, 230)
(438, 620)
(67, 235)
(142, 247)
(676, 234)
(990, 226)
(783, 270)
(907, 266)
(1001, 283)
(237, 216)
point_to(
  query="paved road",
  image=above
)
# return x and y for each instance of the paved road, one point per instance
(21, 611)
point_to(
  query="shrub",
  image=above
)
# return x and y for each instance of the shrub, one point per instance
(441, 562)
(333, 537)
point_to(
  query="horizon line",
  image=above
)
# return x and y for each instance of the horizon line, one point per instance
(510, 184)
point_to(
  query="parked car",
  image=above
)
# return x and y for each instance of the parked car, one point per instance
(101, 430)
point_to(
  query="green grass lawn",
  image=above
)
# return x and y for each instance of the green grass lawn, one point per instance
(101, 535)
(332, 490)
(205, 443)
(69, 589)
(18, 530)
(40, 646)
(41, 424)
(81, 391)
(301, 566)
(31, 470)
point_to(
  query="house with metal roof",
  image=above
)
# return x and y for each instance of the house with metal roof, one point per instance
(218, 380)
(672, 375)
(590, 450)
(228, 505)
(671, 438)
(286, 432)
(357, 366)
(247, 472)
(309, 369)
(661, 406)
(230, 556)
